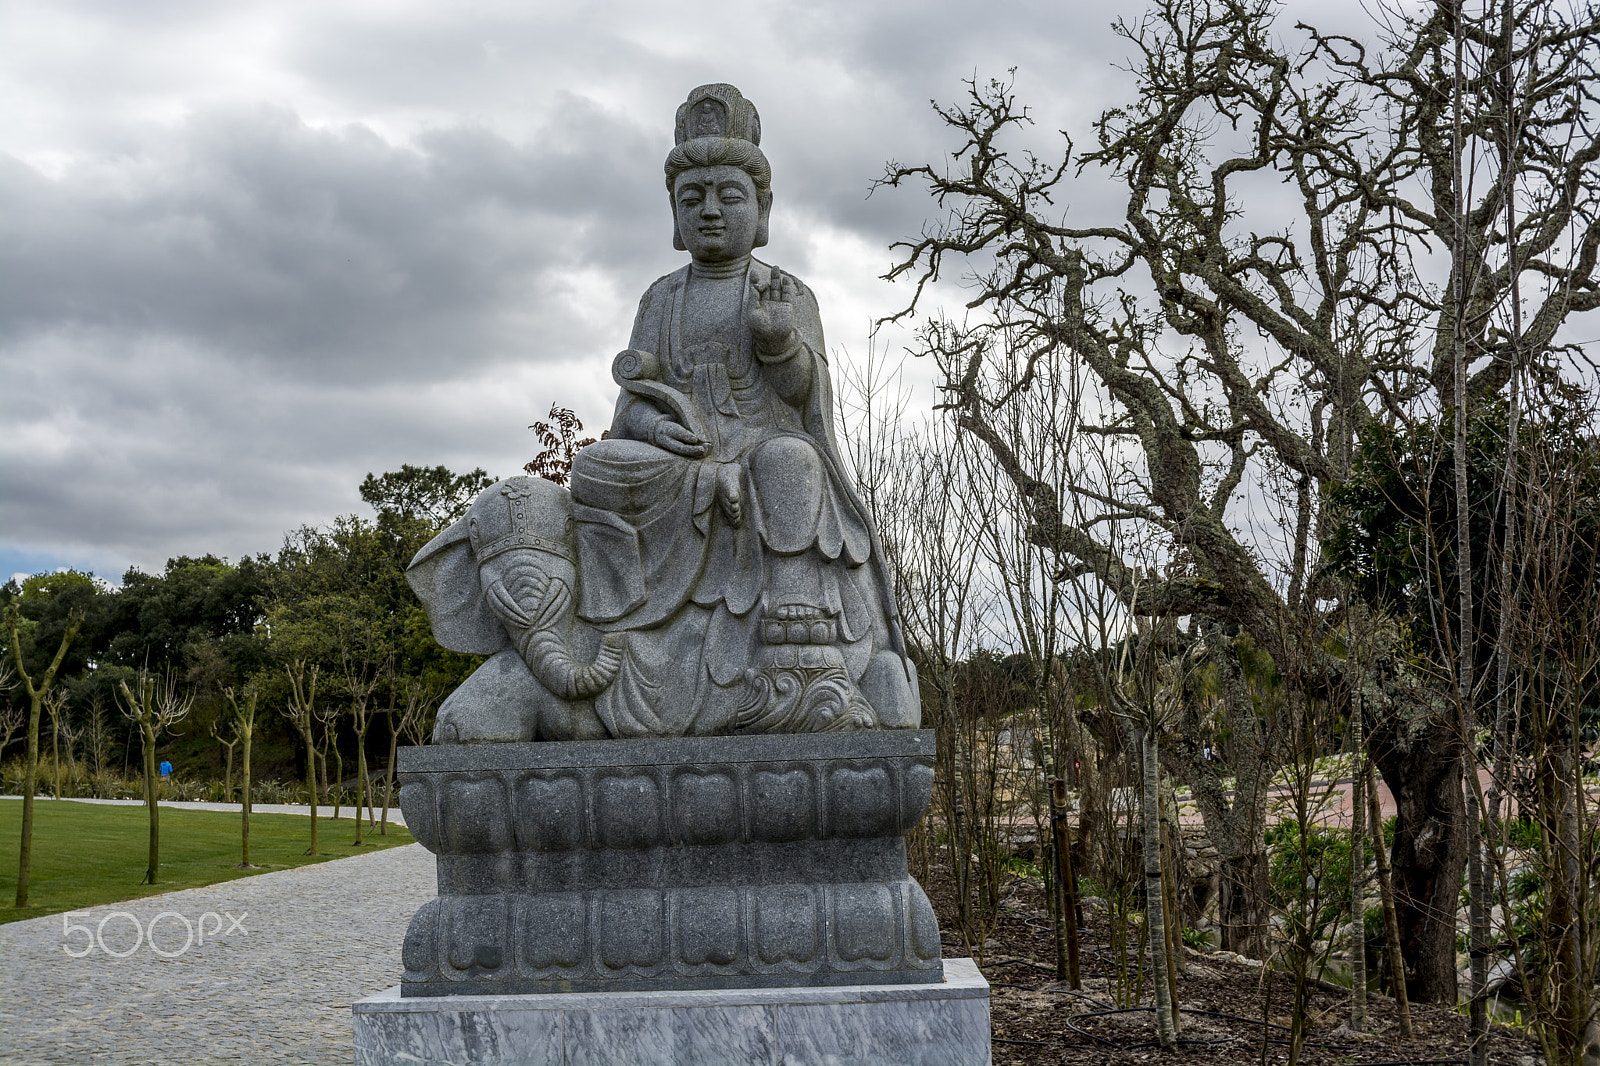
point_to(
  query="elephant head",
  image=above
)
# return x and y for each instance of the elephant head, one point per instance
(521, 533)
(501, 582)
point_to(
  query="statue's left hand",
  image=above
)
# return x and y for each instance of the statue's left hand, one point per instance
(770, 315)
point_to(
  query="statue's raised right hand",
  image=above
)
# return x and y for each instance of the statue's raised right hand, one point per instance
(678, 440)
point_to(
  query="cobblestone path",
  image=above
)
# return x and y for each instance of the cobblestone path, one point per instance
(318, 938)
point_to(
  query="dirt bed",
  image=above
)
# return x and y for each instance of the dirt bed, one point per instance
(1038, 1020)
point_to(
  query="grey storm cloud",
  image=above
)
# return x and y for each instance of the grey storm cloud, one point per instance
(252, 251)
(191, 334)
(325, 252)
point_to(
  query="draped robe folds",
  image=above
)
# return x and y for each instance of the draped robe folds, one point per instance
(660, 559)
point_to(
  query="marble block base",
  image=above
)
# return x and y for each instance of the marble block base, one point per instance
(943, 1024)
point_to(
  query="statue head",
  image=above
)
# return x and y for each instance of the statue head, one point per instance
(717, 129)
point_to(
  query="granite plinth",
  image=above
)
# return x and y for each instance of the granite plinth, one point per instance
(681, 862)
(943, 1024)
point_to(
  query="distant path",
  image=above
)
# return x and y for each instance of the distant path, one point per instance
(319, 937)
(323, 810)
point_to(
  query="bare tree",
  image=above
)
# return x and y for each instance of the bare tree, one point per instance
(155, 705)
(1039, 429)
(71, 735)
(302, 714)
(55, 705)
(1391, 925)
(417, 701)
(362, 676)
(919, 485)
(97, 734)
(219, 730)
(242, 706)
(332, 784)
(417, 728)
(37, 691)
(1555, 671)
(1143, 684)
(931, 537)
(11, 719)
(1241, 337)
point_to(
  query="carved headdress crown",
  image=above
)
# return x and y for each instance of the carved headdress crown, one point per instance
(718, 110)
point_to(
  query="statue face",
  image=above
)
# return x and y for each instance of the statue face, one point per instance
(719, 212)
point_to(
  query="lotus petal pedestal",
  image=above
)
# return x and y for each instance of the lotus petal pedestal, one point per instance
(690, 899)
(676, 863)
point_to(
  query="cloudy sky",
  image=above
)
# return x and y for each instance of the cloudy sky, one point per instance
(251, 251)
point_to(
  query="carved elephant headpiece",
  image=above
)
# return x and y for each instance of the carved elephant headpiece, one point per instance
(505, 576)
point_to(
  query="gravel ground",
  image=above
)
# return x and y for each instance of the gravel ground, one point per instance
(1036, 1021)
(276, 988)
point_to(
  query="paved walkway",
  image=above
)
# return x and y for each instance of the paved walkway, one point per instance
(275, 989)
(324, 810)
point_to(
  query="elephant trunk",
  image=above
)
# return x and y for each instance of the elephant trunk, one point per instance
(550, 661)
(537, 609)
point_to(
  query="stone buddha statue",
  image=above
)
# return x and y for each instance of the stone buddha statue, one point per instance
(713, 569)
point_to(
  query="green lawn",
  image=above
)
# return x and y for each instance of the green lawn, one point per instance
(89, 854)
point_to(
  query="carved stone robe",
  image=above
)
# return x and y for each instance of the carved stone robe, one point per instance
(661, 560)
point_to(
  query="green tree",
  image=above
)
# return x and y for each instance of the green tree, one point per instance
(433, 495)
(342, 601)
(195, 602)
(201, 617)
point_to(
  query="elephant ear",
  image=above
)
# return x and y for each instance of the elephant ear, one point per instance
(444, 575)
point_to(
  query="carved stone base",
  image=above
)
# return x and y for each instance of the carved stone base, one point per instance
(944, 1024)
(678, 863)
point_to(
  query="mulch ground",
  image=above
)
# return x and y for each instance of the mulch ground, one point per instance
(1038, 1020)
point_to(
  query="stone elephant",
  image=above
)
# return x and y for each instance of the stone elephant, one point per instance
(502, 581)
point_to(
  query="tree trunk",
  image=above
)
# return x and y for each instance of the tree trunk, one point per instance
(361, 777)
(1241, 887)
(30, 784)
(372, 814)
(1155, 912)
(152, 802)
(311, 785)
(1478, 1023)
(1172, 913)
(1234, 826)
(1358, 867)
(388, 784)
(1478, 943)
(1391, 926)
(55, 748)
(1067, 963)
(1421, 763)
(244, 802)
(336, 787)
(1559, 853)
